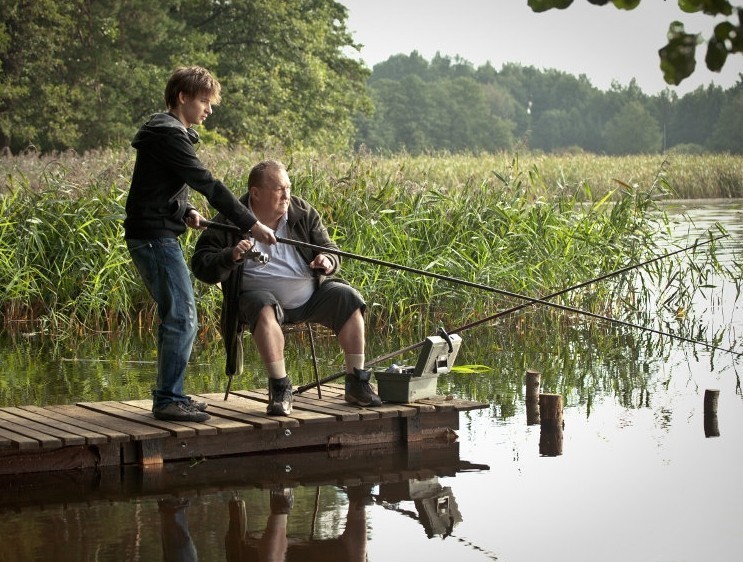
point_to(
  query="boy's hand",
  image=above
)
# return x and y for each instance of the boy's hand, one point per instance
(262, 233)
(193, 220)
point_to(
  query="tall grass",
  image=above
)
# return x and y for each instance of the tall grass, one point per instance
(526, 224)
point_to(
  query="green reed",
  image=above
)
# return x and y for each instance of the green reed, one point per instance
(502, 222)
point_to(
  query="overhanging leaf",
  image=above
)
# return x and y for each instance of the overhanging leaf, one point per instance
(717, 54)
(677, 58)
(470, 369)
(544, 5)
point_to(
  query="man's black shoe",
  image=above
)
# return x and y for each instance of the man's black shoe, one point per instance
(279, 397)
(359, 391)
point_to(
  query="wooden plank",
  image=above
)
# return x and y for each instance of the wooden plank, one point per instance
(66, 438)
(341, 406)
(304, 417)
(451, 403)
(222, 425)
(281, 439)
(399, 409)
(18, 441)
(336, 396)
(177, 429)
(246, 406)
(150, 452)
(308, 417)
(137, 431)
(342, 415)
(49, 461)
(40, 416)
(248, 412)
(45, 440)
(111, 408)
(387, 409)
(82, 418)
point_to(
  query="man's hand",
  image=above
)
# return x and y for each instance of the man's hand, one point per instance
(262, 233)
(323, 262)
(193, 220)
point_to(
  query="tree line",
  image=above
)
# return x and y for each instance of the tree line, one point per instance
(448, 104)
(84, 74)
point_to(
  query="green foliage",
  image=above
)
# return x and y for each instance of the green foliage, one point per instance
(449, 105)
(678, 57)
(523, 224)
(728, 133)
(632, 130)
(82, 74)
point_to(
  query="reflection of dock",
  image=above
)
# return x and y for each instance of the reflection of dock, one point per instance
(100, 434)
(362, 465)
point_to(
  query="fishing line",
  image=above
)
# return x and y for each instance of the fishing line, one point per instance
(530, 300)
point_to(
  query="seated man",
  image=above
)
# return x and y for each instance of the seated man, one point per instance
(296, 285)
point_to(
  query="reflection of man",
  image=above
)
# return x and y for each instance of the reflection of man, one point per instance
(273, 544)
(296, 285)
(176, 539)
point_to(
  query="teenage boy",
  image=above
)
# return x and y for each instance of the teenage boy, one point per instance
(157, 213)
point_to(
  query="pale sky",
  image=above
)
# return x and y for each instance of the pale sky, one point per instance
(602, 42)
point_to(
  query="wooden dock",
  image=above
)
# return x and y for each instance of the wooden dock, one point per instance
(122, 433)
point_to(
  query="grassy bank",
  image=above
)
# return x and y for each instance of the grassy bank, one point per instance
(528, 224)
(688, 176)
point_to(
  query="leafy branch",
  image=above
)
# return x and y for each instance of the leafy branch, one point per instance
(678, 57)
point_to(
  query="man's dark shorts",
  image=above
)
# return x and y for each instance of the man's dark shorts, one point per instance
(331, 305)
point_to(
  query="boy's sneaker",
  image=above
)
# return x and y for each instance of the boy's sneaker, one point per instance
(197, 404)
(279, 397)
(358, 389)
(179, 411)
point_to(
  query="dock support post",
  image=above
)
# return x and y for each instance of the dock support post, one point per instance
(711, 428)
(533, 380)
(550, 436)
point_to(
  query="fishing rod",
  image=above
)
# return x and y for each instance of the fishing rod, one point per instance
(530, 300)
(549, 296)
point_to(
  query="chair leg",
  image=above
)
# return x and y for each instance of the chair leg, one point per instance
(314, 360)
(229, 384)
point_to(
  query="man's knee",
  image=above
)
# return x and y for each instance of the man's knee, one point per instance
(267, 317)
(267, 314)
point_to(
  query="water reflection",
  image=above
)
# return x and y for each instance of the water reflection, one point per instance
(638, 448)
(177, 543)
(295, 506)
(272, 543)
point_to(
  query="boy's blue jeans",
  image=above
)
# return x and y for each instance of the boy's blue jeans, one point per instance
(163, 268)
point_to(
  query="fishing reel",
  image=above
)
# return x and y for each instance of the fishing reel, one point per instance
(256, 256)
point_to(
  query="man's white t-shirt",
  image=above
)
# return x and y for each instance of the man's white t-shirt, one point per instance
(286, 274)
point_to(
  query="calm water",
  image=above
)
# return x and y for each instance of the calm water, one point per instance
(637, 477)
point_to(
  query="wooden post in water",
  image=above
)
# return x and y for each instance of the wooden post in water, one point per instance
(532, 397)
(711, 429)
(550, 410)
(550, 414)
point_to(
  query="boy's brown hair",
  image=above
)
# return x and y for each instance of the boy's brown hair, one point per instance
(192, 81)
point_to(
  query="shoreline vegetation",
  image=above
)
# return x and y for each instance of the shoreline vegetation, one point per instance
(525, 223)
